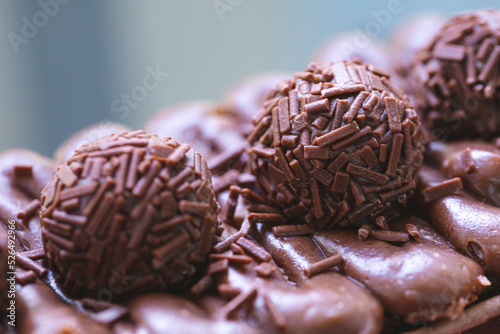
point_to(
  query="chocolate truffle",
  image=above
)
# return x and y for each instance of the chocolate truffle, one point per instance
(247, 96)
(337, 144)
(208, 127)
(128, 214)
(354, 45)
(457, 77)
(85, 136)
(412, 35)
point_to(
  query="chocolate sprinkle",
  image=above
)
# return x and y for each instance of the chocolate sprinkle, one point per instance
(324, 265)
(241, 300)
(444, 188)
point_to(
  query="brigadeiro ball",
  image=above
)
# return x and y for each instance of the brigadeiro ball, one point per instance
(128, 214)
(457, 77)
(336, 145)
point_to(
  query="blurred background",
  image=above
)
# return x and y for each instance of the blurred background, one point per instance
(65, 64)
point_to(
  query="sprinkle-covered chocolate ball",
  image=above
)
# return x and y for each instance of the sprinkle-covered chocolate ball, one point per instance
(129, 214)
(457, 77)
(336, 145)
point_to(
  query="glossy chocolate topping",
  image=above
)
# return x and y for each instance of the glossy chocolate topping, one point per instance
(469, 219)
(404, 278)
(23, 174)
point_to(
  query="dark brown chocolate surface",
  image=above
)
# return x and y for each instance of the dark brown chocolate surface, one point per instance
(456, 81)
(128, 214)
(469, 219)
(337, 144)
(404, 278)
(19, 189)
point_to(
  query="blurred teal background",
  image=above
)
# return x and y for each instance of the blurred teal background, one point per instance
(65, 64)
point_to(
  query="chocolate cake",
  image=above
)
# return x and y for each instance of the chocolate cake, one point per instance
(132, 233)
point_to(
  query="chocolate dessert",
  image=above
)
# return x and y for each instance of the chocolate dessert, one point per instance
(327, 214)
(133, 203)
(457, 78)
(336, 144)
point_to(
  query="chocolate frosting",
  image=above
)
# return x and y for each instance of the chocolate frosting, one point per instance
(469, 224)
(162, 313)
(476, 163)
(405, 279)
(43, 311)
(469, 219)
(19, 190)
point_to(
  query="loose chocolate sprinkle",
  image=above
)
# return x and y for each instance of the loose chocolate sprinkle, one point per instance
(390, 236)
(324, 265)
(34, 254)
(266, 218)
(237, 250)
(23, 171)
(29, 211)
(381, 223)
(277, 317)
(364, 232)
(241, 300)
(292, 230)
(444, 188)
(265, 269)
(218, 266)
(413, 232)
(29, 264)
(135, 204)
(228, 291)
(256, 251)
(233, 259)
